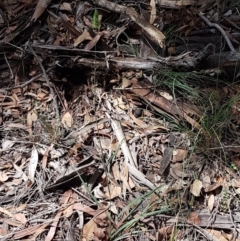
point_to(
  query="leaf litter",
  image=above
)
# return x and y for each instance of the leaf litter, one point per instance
(95, 147)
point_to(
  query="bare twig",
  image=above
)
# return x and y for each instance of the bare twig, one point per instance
(10, 69)
(201, 15)
(29, 81)
(232, 23)
(48, 82)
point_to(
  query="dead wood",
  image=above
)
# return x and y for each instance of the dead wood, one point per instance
(184, 62)
(156, 35)
(205, 217)
(220, 59)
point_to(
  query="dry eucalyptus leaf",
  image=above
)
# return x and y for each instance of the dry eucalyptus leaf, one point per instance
(33, 164)
(67, 120)
(211, 200)
(20, 217)
(196, 188)
(7, 144)
(112, 191)
(125, 83)
(84, 36)
(3, 177)
(93, 42)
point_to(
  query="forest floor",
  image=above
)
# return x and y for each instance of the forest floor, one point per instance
(119, 120)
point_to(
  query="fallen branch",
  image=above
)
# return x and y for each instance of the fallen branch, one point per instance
(183, 62)
(215, 25)
(156, 35)
(45, 76)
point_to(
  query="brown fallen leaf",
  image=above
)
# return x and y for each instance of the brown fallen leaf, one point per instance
(88, 230)
(17, 208)
(194, 218)
(84, 36)
(166, 232)
(179, 155)
(220, 181)
(93, 42)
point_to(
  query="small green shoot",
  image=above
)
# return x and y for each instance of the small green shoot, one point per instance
(95, 22)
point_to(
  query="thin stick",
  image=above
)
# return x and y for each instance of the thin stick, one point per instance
(12, 76)
(29, 81)
(201, 15)
(48, 82)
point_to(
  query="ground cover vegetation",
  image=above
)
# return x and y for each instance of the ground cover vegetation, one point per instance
(119, 120)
